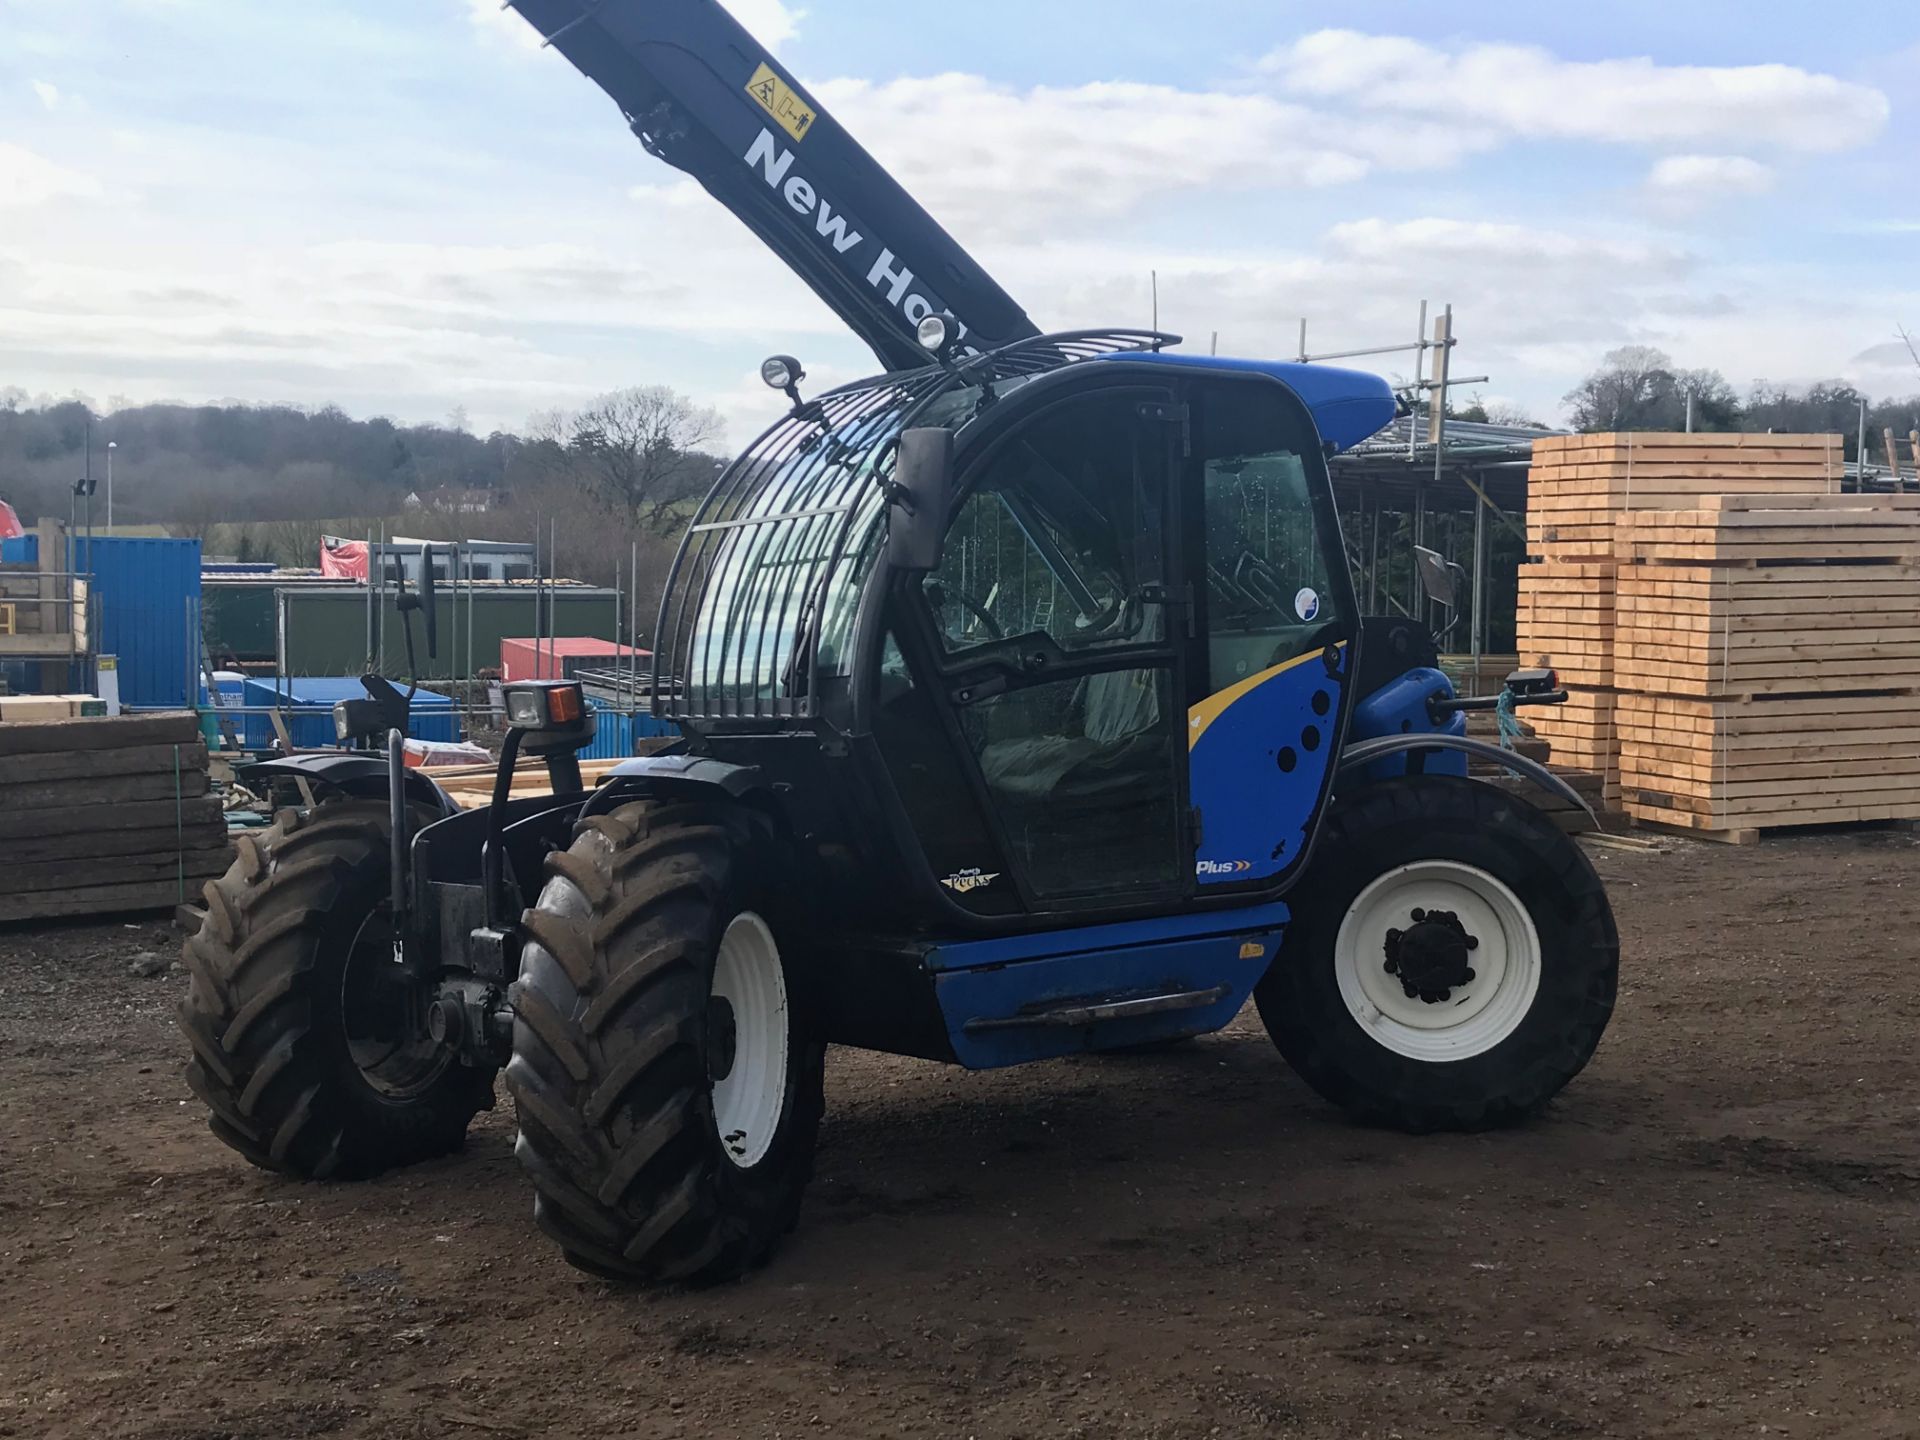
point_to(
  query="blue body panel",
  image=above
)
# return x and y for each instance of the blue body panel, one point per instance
(1347, 405)
(1400, 708)
(1258, 754)
(1005, 976)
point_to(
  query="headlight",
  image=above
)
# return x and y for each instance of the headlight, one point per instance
(781, 372)
(342, 722)
(545, 706)
(933, 332)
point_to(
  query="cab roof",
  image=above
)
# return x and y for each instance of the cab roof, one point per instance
(1347, 405)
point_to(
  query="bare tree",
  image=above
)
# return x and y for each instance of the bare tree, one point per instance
(1911, 349)
(1638, 388)
(641, 447)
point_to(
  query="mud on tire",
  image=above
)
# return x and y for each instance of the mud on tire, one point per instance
(613, 1051)
(1375, 832)
(266, 1009)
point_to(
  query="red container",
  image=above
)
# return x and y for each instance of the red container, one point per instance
(561, 657)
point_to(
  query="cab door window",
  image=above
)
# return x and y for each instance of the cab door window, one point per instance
(1272, 651)
(1049, 612)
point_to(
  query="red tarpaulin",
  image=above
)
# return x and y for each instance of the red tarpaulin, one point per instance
(343, 559)
(10, 527)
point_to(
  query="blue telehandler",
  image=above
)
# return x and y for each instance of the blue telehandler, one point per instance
(1028, 710)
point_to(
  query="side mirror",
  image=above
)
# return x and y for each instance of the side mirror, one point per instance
(1438, 578)
(427, 602)
(921, 496)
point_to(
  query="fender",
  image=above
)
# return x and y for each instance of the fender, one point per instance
(1365, 752)
(649, 774)
(358, 774)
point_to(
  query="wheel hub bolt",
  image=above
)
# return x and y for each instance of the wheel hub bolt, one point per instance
(1430, 959)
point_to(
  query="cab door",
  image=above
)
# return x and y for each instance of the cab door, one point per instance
(1273, 631)
(1050, 646)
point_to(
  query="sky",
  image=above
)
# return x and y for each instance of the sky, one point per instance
(409, 209)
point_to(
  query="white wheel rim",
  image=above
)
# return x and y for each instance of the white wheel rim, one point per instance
(1476, 1015)
(748, 1098)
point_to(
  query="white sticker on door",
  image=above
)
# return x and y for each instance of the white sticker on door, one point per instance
(1306, 604)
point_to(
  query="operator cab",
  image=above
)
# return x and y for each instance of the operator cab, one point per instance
(1118, 677)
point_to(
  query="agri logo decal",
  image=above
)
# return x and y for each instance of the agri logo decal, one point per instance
(1223, 867)
(965, 882)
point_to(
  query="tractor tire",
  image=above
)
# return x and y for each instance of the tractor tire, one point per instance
(668, 1085)
(1490, 999)
(310, 1058)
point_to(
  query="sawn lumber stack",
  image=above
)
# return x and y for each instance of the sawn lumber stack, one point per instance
(1715, 606)
(1767, 651)
(1577, 489)
(103, 815)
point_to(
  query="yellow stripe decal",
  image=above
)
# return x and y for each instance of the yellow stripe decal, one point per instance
(1200, 716)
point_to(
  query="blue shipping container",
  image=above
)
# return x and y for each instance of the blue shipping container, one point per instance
(144, 607)
(309, 715)
(20, 550)
(616, 733)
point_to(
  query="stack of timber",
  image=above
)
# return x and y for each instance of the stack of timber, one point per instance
(105, 815)
(1768, 653)
(471, 786)
(1578, 488)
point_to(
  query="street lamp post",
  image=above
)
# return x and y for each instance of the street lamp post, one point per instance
(112, 445)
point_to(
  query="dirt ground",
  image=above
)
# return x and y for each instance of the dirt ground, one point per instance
(1716, 1231)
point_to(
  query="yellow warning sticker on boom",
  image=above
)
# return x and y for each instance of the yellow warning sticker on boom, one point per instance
(776, 97)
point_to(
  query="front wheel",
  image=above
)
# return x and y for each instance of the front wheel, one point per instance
(1451, 962)
(310, 1045)
(669, 1091)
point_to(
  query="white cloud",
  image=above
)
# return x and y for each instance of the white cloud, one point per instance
(1021, 162)
(768, 21)
(1524, 91)
(1695, 178)
(28, 179)
(502, 25)
(48, 93)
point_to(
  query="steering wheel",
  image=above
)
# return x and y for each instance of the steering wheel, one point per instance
(979, 612)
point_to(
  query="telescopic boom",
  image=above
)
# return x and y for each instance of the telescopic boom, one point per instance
(707, 98)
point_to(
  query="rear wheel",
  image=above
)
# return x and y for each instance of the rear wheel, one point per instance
(1451, 962)
(310, 1047)
(669, 1091)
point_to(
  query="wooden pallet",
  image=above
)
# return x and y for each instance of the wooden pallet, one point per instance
(1753, 764)
(1564, 619)
(1578, 484)
(1752, 530)
(105, 815)
(1801, 623)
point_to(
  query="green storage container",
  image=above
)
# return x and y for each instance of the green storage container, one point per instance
(323, 631)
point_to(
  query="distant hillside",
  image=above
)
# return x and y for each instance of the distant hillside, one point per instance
(178, 463)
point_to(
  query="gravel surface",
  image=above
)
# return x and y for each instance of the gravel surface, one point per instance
(1716, 1231)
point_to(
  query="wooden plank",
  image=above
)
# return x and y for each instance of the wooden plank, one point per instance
(36, 737)
(113, 844)
(97, 819)
(113, 790)
(19, 879)
(97, 900)
(99, 764)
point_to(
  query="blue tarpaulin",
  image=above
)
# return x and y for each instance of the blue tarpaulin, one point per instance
(309, 714)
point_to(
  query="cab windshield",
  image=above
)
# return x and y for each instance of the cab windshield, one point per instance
(784, 565)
